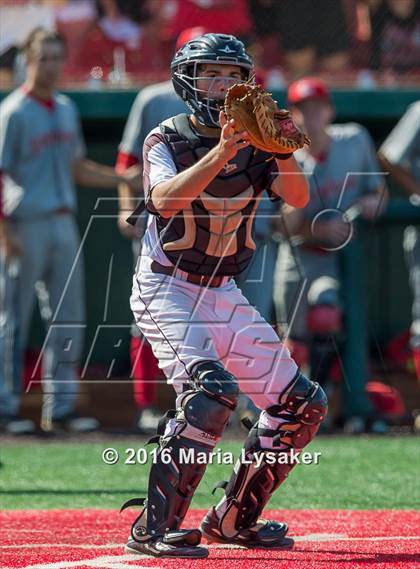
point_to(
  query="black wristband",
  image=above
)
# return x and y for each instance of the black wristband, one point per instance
(283, 156)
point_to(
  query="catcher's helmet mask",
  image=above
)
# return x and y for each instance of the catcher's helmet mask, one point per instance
(218, 49)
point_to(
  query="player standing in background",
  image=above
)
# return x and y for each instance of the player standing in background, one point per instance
(400, 156)
(343, 173)
(42, 154)
(152, 106)
(202, 185)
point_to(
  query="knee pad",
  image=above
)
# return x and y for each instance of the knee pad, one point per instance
(210, 404)
(216, 383)
(203, 411)
(324, 320)
(303, 406)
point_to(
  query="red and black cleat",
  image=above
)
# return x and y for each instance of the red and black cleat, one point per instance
(265, 534)
(180, 544)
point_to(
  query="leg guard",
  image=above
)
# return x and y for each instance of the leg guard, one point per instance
(301, 408)
(194, 428)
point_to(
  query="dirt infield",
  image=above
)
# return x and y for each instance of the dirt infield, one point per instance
(325, 539)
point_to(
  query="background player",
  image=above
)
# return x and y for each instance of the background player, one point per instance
(400, 156)
(42, 153)
(343, 173)
(202, 186)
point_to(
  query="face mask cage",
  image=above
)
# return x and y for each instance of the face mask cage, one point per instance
(206, 103)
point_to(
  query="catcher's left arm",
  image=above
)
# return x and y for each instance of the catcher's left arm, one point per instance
(272, 130)
(291, 183)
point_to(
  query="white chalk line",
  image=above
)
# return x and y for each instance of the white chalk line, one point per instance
(297, 538)
(124, 561)
(105, 562)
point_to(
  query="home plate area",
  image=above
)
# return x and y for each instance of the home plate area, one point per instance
(333, 539)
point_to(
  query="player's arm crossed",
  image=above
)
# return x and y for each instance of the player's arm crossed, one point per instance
(400, 150)
(128, 195)
(374, 194)
(91, 174)
(403, 177)
(373, 204)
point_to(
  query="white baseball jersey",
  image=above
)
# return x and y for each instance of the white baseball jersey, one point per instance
(39, 142)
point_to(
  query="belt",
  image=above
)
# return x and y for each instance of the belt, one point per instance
(40, 216)
(314, 249)
(201, 280)
(62, 211)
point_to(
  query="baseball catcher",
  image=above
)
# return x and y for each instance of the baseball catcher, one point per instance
(204, 176)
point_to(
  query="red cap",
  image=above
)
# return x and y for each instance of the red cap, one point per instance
(189, 34)
(386, 400)
(307, 88)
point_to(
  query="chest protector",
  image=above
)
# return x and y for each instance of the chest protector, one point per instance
(213, 236)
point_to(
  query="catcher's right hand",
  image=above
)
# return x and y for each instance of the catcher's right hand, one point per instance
(269, 128)
(231, 140)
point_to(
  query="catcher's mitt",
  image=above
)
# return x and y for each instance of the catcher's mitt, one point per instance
(270, 129)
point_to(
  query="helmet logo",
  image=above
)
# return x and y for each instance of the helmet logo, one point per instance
(226, 49)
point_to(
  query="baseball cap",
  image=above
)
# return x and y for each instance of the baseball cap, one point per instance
(189, 34)
(307, 88)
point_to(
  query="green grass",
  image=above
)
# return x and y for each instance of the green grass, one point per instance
(353, 473)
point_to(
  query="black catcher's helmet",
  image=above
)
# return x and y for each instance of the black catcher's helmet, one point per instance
(209, 48)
